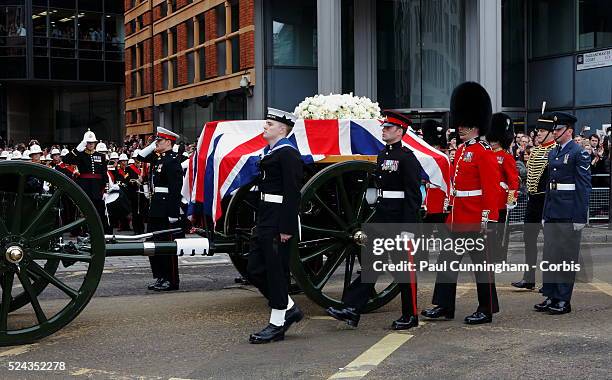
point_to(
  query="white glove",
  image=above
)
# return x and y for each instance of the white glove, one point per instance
(46, 187)
(81, 146)
(173, 220)
(579, 226)
(511, 206)
(542, 222)
(104, 196)
(148, 150)
(114, 187)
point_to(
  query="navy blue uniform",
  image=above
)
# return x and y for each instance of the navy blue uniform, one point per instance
(566, 204)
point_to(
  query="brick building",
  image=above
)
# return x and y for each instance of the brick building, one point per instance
(184, 63)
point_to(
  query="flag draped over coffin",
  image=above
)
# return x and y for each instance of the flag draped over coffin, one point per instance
(227, 153)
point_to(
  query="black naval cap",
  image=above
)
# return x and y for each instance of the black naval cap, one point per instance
(555, 120)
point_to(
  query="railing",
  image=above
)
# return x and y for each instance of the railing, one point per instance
(599, 205)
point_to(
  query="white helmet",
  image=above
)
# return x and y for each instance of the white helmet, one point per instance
(66, 151)
(101, 148)
(35, 149)
(56, 151)
(135, 153)
(48, 158)
(114, 155)
(89, 136)
(4, 155)
(26, 155)
(131, 161)
(123, 157)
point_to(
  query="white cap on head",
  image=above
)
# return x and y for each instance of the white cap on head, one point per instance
(48, 158)
(4, 155)
(281, 116)
(131, 161)
(123, 157)
(35, 149)
(114, 155)
(55, 151)
(25, 155)
(64, 152)
(163, 133)
(89, 136)
(101, 148)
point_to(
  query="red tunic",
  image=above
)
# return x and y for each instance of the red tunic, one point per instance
(509, 178)
(434, 200)
(475, 170)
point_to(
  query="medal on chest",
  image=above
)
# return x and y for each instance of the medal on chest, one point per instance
(96, 159)
(389, 165)
(159, 168)
(566, 158)
(468, 156)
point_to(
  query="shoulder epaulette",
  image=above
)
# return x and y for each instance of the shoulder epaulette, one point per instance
(485, 144)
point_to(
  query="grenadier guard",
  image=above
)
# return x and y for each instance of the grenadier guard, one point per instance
(166, 180)
(537, 181)
(500, 138)
(475, 202)
(398, 180)
(565, 214)
(277, 228)
(92, 173)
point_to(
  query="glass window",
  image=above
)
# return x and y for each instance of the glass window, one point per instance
(39, 2)
(39, 21)
(165, 75)
(235, 42)
(221, 58)
(69, 4)
(189, 24)
(174, 40)
(90, 31)
(175, 80)
(113, 6)
(62, 24)
(114, 31)
(202, 63)
(551, 25)
(190, 67)
(201, 30)
(594, 24)
(91, 5)
(133, 57)
(348, 47)
(164, 9)
(294, 33)
(12, 22)
(513, 53)
(235, 15)
(220, 12)
(164, 39)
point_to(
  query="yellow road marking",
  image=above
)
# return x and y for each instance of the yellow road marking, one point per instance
(372, 357)
(602, 286)
(322, 317)
(18, 350)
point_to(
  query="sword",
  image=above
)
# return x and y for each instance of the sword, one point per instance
(506, 223)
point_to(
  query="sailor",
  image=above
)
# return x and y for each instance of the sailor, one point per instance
(565, 214)
(277, 228)
(475, 203)
(500, 138)
(398, 176)
(537, 181)
(92, 173)
(164, 213)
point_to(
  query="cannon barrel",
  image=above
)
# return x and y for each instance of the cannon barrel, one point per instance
(177, 247)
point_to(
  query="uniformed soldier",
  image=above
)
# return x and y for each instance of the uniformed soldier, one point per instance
(277, 228)
(436, 201)
(134, 191)
(475, 202)
(537, 181)
(92, 173)
(164, 213)
(398, 177)
(500, 138)
(565, 213)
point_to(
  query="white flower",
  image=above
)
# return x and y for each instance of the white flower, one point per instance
(337, 106)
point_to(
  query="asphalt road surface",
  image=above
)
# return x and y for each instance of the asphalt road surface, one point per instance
(201, 332)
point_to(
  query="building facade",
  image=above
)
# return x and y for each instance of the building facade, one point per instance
(61, 69)
(189, 62)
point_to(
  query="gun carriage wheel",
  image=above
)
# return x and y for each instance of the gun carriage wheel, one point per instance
(35, 238)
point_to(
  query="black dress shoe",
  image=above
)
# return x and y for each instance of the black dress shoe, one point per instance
(293, 315)
(270, 333)
(155, 283)
(524, 285)
(478, 318)
(165, 286)
(543, 306)
(561, 307)
(438, 312)
(405, 323)
(348, 315)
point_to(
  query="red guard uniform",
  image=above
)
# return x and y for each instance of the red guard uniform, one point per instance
(475, 185)
(509, 178)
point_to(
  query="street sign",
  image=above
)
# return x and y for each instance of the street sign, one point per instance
(594, 60)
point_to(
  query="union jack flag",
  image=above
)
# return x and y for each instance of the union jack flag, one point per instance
(227, 154)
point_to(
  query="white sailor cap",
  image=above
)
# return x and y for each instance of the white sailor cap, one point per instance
(114, 156)
(25, 155)
(281, 116)
(35, 149)
(5, 154)
(165, 134)
(64, 152)
(56, 151)
(131, 161)
(123, 157)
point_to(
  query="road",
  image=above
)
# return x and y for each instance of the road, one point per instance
(201, 332)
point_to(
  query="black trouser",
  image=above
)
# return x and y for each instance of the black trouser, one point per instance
(531, 230)
(268, 266)
(165, 266)
(358, 294)
(101, 208)
(137, 214)
(500, 234)
(445, 290)
(561, 244)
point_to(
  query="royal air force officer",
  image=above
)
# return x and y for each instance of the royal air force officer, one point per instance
(92, 177)
(166, 177)
(565, 213)
(475, 200)
(277, 228)
(398, 177)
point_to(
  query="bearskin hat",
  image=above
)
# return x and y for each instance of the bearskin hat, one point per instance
(470, 106)
(502, 130)
(434, 133)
